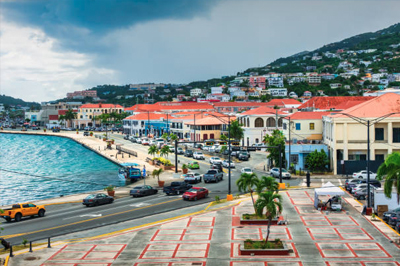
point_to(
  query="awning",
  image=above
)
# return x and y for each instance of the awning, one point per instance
(129, 164)
(315, 137)
(327, 189)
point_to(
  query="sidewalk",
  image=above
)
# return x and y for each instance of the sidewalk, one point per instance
(211, 236)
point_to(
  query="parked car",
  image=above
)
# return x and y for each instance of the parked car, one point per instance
(205, 148)
(56, 130)
(387, 214)
(153, 142)
(214, 160)
(361, 187)
(213, 148)
(348, 182)
(246, 170)
(373, 182)
(145, 141)
(361, 194)
(397, 227)
(179, 150)
(97, 199)
(126, 137)
(192, 178)
(143, 191)
(198, 155)
(171, 148)
(86, 133)
(176, 188)
(193, 165)
(35, 127)
(213, 175)
(188, 153)
(363, 175)
(198, 146)
(244, 156)
(394, 218)
(195, 193)
(138, 140)
(275, 173)
(134, 139)
(228, 164)
(160, 142)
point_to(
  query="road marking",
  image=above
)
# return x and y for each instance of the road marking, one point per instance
(140, 204)
(91, 215)
(322, 181)
(304, 183)
(94, 218)
(340, 182)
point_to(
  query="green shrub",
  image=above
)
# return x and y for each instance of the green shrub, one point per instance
(217, 199)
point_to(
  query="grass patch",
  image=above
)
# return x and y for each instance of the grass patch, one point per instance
(251, 244)
(218, 202)
(20, 247)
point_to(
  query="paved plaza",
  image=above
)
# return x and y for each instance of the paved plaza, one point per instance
(213, 238)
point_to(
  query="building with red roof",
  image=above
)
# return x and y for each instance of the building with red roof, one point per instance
(236, 107)
(331, 102)
(209, 127)
(284, 103)
(147, 124)
(171, 107)
(347, 137)
(88, 112)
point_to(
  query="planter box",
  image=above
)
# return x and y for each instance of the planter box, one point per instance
(264, 252)
(259, 221)
(167, 167)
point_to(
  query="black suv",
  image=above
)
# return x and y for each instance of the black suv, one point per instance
(243, 156)
(388, 214)
(188, 153)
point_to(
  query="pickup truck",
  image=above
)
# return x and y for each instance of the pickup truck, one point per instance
(213, 175)
(177, 188)
(192, 178)
(22, 210)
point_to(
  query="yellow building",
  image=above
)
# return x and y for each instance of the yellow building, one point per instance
(88, 112)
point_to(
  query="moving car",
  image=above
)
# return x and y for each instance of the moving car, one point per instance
(213, 175)
(363, 175)
(195, 193)
(228, 164)
(179, 150)
(198, 155)
(246, 170)
(244, 156)
(215, 160)
(285, 173)
(145, 141)
(176, 188)
(97, 199)
(192, 178)
(188, 153)
(143, 191)
(217, 166)
(193, 165)
(18, 211)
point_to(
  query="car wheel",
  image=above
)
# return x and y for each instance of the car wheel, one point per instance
(18, 217)
(167, 194)
(8, 220)
(111, 200)
(41, 213)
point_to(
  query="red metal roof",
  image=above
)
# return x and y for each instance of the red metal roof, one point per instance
(171, 106)
(262, 110)
(283, 102)
(147, 116)
(101, 105)
(53, 117)
(308, 115)
(326, 103)
(239, 104)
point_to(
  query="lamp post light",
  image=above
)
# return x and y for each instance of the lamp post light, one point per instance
(367, 123)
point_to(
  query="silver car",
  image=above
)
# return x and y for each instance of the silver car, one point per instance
(275, 173)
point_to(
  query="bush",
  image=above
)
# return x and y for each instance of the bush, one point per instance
(217, 199)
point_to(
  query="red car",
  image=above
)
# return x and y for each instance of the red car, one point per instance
(195, 193)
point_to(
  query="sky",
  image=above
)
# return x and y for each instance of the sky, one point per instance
(51, 47)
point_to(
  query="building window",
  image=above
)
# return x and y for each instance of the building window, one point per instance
(256, 140)
(396, 134)
(312, 126)
(294, 158)
(379, 133)
(284, 126)
(270, 122)
(81, 116)
(379, 157)
(280, 122)
(298, 126)
(259, 122)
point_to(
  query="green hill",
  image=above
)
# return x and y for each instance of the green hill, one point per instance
(8, 100)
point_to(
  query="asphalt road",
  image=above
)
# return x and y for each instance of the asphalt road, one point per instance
(68, 218)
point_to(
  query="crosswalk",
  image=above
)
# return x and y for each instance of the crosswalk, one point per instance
(321, 182)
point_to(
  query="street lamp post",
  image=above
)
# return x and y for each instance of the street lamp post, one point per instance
(367, 123)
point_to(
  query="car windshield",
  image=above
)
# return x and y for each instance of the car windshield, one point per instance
(139, 187)
(91, 196)
(193, 190)
(247, 170)
(284, 170)
(212, 171)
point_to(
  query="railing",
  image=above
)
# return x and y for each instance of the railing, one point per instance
(30, 245)
(120, 149)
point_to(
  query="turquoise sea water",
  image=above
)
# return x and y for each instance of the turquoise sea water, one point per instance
(40, 167)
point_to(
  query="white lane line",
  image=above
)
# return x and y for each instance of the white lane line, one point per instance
(340, 182)
(304, 183)
(322, 182)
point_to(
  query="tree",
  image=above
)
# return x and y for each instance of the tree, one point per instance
(153, 150)
(236, 130)
(27, 120)
(317, 160)
(223, 137)
(390, 169)
(275, 139)
(164, 151)
(61, 118)
(269, 183)
(70, 115)
(271, 202)
(157, 173)
(173, 137)
(246, 182)
(165, 136)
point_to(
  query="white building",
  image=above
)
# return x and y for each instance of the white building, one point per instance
(382, 92)
(275, 82)
(278, 92)
(216, 90)
(2, 107)
(196, 92)
(314, 79)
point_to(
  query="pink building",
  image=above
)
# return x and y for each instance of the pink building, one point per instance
(257, 81)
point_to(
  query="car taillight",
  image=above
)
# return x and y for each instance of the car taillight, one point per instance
(9, 213)
(90, 200)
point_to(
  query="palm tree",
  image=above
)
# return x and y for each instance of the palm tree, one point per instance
(70, 115)
(165, 136)
(153, 150)
(157, 173)
(236, 130)
(61, 118)
(268, 183)
(391, 170)
(246, 182)
(164, 151)
(273, 206)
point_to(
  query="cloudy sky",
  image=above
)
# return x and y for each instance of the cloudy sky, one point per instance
(51, 47)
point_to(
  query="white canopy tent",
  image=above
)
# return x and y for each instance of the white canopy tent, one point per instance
(327, 189)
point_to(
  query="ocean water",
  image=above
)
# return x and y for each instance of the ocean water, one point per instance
(40, 167)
